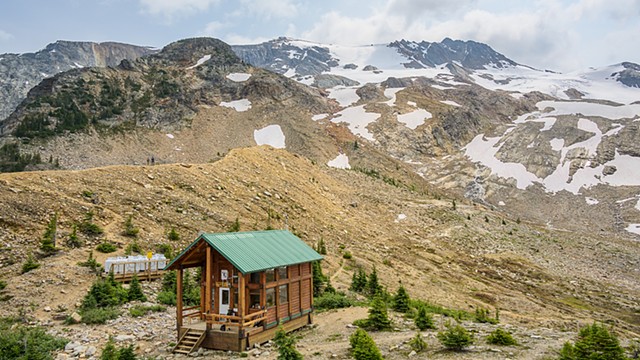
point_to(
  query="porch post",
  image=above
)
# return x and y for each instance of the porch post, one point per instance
(179, 298)
(241, 296)
(207, 293)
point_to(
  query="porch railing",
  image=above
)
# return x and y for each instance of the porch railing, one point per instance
(191, 312)
(248, 320)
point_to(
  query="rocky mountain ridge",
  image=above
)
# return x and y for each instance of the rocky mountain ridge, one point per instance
(20, 72)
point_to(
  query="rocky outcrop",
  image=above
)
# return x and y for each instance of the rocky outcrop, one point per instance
(281, 54)
(19, 73)
(325, 81)
(470, 54)
(630, 76)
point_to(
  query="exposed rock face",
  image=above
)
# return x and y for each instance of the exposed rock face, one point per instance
(630, 76)
(21, 72)
(371, 92)
(280, 54)
(324, 81)
(470, 54)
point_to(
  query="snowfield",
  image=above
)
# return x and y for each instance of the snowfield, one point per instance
(238, 105)
(340, 162)
(238, 77)
(270, 135)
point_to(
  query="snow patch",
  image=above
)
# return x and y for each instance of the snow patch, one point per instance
(591, 201)
(633, 228)
(450, 102)
(319, 117)
(200, 61)
(556, 144)
(501, 203)
(590, 109)
(170, 136)
(238, 105)
(400, 217)
(345, 96)
(483, 150)
(412, 103)
(357, 120)
(415, 118)
(270, 135)
(340, 162)
(238, 77)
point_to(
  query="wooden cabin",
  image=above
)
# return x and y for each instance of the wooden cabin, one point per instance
(251, 282)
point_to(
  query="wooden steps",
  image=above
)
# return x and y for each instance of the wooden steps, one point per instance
(190, 341)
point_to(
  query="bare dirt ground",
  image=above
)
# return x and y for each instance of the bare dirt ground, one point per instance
(545, 282)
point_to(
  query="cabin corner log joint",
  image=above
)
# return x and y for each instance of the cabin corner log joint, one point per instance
(251, 282)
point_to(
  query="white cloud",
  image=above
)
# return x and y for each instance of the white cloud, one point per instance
(5, 35)
(268, 9)
(214, 28)
(172, 8)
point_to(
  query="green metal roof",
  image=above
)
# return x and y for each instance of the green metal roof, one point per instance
(258, 250)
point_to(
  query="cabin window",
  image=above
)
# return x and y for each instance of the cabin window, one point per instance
(254, 299)
(254, 278)
(282, 273)
(271, 297)
(283, 293)
(271, 275)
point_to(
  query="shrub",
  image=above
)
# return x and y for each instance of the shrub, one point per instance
(235, 226)
(106, 247)
(165, 249)
(173, 235)
(105, 293)
(133, 247)
(167, 298)
(127, 353)
(363, 347)
(329, 300)
(501, 337)
(401, 300)
(91, 263)
(109, 351)
(286, 346)
(129, 229)
(139, 310)
(30, 264)
(482, 316)
(322, 249)
(347, 255)
(88, 227)
(21, 342)
(135, 291)
(99, 315)
(594, 342)
(3, 285)
(455, 338)
(424, 320)
(417, 343)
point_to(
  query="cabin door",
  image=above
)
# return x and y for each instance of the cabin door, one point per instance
(224, 300)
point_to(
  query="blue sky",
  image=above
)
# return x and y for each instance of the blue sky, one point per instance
(562, 35)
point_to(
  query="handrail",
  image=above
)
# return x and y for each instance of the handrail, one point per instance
(252, 315)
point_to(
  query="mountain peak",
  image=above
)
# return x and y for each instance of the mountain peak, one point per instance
(189, 51)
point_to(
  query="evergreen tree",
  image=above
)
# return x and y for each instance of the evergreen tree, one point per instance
(363, 347)
(417, 343)
(135, 290)
(322, 249)
(378, 318)
(329, 288)
(373, 286)
(235, 227)
(48, 243)
(286, 346)
(424, 320)
(401, 300)
(318, 278)
(73, 241)
(594, 342)
(109, 352)
(173, 234)
(359, 281)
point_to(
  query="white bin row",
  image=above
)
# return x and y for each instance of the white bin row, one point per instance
(132, 264)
